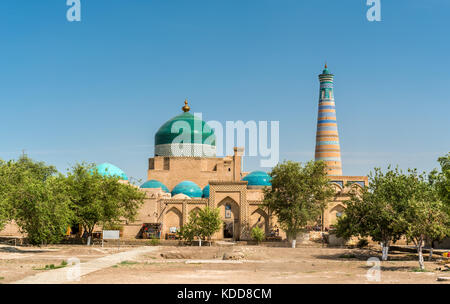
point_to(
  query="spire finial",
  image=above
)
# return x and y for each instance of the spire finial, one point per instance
(186, 108)
(326, 66)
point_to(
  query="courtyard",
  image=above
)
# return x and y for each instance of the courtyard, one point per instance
(187, 265)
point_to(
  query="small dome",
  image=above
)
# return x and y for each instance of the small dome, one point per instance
(154, 184)
(107, 169)
(258, 178)
(206, 192)
(326, 71)
(180, 196)
(187, 187)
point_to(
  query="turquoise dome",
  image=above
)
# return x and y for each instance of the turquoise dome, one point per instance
(188, 188)
(198, 136)
(206, 192)
(154, 184)
(258, 178)
(107, 169)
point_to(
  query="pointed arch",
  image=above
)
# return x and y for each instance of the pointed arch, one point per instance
(260, 218)
(173, 218)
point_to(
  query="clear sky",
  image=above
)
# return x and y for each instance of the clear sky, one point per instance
(98, 90)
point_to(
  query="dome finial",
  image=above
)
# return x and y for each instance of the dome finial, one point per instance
(186, 108)
(326, 66)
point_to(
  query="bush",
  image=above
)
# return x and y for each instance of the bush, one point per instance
(154, 241)
(258, 234)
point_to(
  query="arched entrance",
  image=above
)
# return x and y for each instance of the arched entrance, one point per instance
(229, 212)
(173, 220)
(259, 218)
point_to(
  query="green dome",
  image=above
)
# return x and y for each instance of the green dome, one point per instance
(197, 136)
(200, 139)
(107, 169)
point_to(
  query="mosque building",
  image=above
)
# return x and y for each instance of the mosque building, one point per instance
(185, 177)
(183, 180)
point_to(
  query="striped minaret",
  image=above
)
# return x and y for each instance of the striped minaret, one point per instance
(327, 137)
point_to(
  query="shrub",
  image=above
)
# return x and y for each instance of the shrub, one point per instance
(154, 241)
(258, 234)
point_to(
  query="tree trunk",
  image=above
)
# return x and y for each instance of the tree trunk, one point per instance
(419, 251)
(430, 257)
(294, 242)
(89, 238)
(199, 242)
(384, 251)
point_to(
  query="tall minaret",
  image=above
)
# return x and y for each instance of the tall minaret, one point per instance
(327, 137)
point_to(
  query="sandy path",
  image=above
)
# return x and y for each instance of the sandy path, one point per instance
(74, 273)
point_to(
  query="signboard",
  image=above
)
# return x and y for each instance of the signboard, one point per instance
(111, 234)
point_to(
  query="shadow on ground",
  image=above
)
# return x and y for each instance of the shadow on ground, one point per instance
(364, 255)
(17, 250)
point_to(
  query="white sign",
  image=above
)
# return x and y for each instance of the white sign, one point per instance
(111, 234)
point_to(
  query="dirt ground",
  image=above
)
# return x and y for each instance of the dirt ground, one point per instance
(253, 264)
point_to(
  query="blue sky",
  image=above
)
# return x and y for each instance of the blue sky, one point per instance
(98, 90)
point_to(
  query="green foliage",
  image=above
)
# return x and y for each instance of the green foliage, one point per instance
(208, 222)
(37, 200)
(203, 224)
(258, 234)
(425, 219)
(393, 205)
(441, 180)
(298, 194)
(154, 241)
(5, 209)
(374, 211)
(101, 199)
(52, 266)
(190, 230)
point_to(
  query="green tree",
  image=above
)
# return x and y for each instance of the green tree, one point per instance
(376, 210)
(426, 220)
(37, 199)
(258, 234)
(98, 199)
(5, 209)
(190, 230)
(208, 222)
(441, 180)
(298, 195)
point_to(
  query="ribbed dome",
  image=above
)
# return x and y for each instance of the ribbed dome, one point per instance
(258, 178)
(200, 135)
(188, 188)
(107, 169)
(154, 184)
(206, 192)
